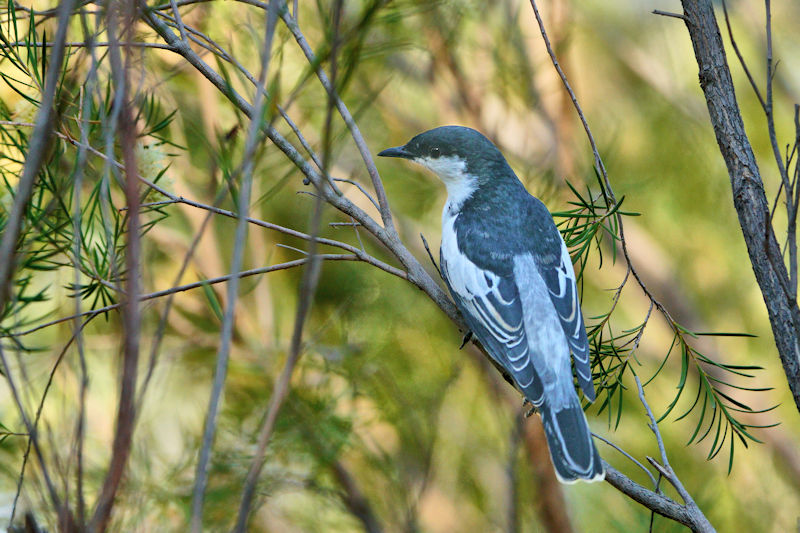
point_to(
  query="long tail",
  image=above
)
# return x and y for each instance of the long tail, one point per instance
(572, 450)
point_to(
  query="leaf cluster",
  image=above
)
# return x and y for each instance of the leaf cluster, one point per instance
(593, 224)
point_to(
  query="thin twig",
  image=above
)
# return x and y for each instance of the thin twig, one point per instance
(37, 418)
(292, 248)
(83, 44)
(32, 434)
(343, 224)
(361, 144)
(360, 188)
(35, 157)
(308, 287)
(741, 58)
(700, 522)
(791, 207)
(126, 411)
(629, 456)
(433, 262)
(668, 14)
(248, 165)
(91, 82)
(178, 19)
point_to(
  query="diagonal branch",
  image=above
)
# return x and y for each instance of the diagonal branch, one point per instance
(749, 197)
(699, 520)
(387, 236)
(34, 159)
(363, 149)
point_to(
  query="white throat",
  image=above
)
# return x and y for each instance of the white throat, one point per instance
(452, 171)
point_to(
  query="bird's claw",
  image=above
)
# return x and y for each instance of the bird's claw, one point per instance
(467, 337)
(530, 411)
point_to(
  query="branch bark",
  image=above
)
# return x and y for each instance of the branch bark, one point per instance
(126, 410)
(749, 197)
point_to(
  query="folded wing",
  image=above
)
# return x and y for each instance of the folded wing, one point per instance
(491, 306)
(559, 276)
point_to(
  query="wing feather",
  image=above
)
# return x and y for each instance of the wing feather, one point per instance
(559, 276)
(491, 306)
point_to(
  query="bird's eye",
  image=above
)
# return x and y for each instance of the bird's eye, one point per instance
(435, 152)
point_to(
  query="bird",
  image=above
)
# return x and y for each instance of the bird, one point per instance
(511, 276)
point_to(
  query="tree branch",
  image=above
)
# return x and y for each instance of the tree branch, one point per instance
(416, 274)
(243, 200)
(749, 197)
(34, 159)
(126, 410)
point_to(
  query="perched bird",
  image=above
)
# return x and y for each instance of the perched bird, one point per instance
(511, 277)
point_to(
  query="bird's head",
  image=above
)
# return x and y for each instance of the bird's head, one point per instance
(454, 153)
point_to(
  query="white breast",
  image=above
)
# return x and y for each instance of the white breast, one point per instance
(449, 241)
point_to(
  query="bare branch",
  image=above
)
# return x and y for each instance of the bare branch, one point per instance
(253, 135)
(34, 159)
(700, 522)
(126, 411)
(749, 198)
(178, 19)
(741, 58)
(668, 14)
(361, 144)
(82, 44)
(627, 455)
(791, 207)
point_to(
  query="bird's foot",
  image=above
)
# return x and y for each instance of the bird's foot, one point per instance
(530, 411)
(467, 337)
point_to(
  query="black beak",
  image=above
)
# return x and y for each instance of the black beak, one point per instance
(397, 151)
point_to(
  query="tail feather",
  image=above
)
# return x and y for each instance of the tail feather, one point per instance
(572, 449)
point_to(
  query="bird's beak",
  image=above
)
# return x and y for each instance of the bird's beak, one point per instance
(397, 151)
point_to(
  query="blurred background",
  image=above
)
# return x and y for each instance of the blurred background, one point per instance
(382, 403)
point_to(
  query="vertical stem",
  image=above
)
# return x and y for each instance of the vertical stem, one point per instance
(201, 476)
(791, 207)
(126, 411)
(77, 235)
(34, 159)
(308, 287)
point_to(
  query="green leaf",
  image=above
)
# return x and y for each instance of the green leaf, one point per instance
(213, 301)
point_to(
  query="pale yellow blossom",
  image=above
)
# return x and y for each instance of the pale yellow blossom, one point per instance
(25, 111)
(150, 162)
(6, 202)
